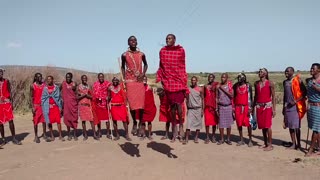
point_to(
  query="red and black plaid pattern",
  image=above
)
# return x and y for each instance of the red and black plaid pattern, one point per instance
(172, 69)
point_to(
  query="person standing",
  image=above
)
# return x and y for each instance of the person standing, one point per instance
(210, 115)
(265, 106)
(313, 113)
(150, 109)
(118, 109)
(85, 107)
(224, 104)
(6, 114)
(131, 69)
(294, 106)
(100, 104)
(36, 89)
(195, 110)
(51, 104)
(70, 105)
(242, 107)
(173, 76)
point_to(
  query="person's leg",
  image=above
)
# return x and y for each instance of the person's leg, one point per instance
(166, 136)
(126, 129)
(116, 131)
(108, 130)
(228, 136)
(314, 140)
(298, 135)
(214, 128)
(186, 136)
(293, 138)
(2, 134)
(241, 142)
(51, 133)
(134, 130)
(221, 136)
(94, 130)
(75, 134)
(180, 115)
(269, 147)
(99, 130)
(207, 135)
(44, 128)
(36, 137)
(174, 122)
(250, 144)
(60, 132)
(13, 133)
(69, 134)
(142, 124)
(84, 131)
(265, 139)
(196, 138)
(150, 130)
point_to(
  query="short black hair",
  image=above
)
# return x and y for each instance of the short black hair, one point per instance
(174, 37)
(131, 37)
(35, 76)
(100, 74)
(316, 64)
(70, 74)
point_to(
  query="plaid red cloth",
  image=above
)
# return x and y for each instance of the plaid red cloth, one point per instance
(172, 69)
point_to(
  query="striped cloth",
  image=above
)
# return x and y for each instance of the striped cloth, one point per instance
(313, 113)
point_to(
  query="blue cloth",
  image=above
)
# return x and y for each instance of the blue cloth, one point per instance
(313, 113)
(45, 101)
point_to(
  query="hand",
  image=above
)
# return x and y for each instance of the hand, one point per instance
(283, 111)
(33, 112)
(140, 77)
(273, 113)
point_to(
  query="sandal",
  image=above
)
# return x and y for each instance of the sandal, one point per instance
(16, 142)
(220, 142)
(229, 142)
(207, 141)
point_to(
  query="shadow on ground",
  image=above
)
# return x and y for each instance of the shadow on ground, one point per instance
(131, 149)
(162, 148)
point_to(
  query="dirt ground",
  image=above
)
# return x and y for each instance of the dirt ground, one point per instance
(153, 160)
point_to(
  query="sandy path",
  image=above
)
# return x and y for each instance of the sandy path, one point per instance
(158, 159)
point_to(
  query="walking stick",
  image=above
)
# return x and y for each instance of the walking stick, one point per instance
(307, 139)
(110, 119)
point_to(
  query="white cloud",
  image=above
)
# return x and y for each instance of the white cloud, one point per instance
(14, 44)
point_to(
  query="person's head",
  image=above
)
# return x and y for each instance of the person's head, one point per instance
(194, 81)
(315, 69)
(49, 80)
(289, 72)
(211, 78)
(171, 40)
(224, 78)
(69, 77)
(84, 79)
(1, 73)
(132, 42)
(101, 77)
(37, 78)
(115, 81)
(145, 80)
(242, 78)
(263, 73)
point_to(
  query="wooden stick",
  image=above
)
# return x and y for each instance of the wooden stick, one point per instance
(307, 139)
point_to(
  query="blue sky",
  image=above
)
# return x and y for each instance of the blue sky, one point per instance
(218, 36)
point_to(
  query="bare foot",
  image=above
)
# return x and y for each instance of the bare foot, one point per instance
(268, 148)
(207, 141)
(36, 139)
(220, 142)
(240, 143)
(250, 144)
(116, 138)
(164, 137)
(196, 140)
(128, 138)
(262, 147)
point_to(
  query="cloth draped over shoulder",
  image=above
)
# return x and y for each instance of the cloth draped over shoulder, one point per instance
(55, 95)
(172, 69)
(297, 94)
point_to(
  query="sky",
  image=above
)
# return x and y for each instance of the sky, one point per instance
(218, 36)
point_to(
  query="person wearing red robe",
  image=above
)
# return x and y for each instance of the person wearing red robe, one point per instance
(265, 104)
(242, 106)
(99, 104)
(150, 109)
(70, 105)
(132, 71)
(85, 107)
(36, 89)
(6, 114)
(173, 77)
(118, 109)
(52, 107)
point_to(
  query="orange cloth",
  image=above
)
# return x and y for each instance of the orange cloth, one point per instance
(297, 94)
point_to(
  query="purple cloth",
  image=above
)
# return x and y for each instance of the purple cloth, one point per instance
(225, 110)
(291, 116)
